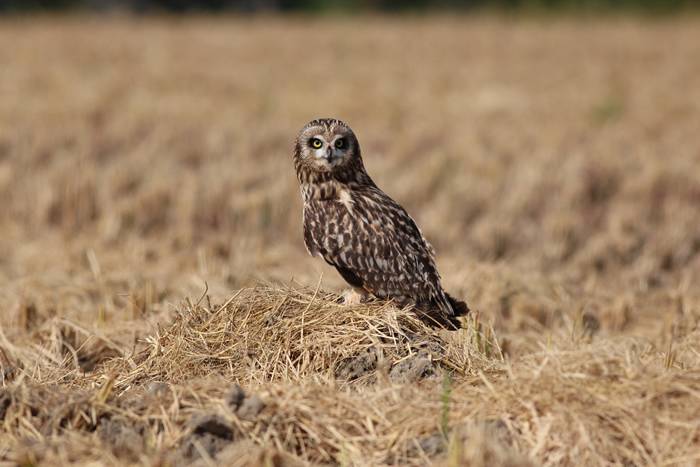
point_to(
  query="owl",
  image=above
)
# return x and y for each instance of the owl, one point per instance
(357, 228)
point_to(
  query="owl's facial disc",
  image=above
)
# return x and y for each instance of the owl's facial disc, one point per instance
(327, 151)
(327, 145)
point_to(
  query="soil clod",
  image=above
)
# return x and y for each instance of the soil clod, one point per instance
(356, 367)
(213, 425)
(210, 435)
(413, 368)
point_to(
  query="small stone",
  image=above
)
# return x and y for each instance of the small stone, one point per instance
(124, 440)
(250, 408)
(235, 397)
(432, 445)
(156, 388)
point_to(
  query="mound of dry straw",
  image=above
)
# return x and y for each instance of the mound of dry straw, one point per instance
(323, 382)
(284, 376)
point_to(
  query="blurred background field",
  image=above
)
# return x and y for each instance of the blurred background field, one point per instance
(552, 161)
(348, 6)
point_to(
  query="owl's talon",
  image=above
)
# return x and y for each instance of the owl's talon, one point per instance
(353, 297)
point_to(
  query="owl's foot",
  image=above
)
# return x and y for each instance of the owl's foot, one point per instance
(354, 296)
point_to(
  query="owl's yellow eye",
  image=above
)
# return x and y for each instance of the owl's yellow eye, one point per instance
(340, 143)
(316, 143)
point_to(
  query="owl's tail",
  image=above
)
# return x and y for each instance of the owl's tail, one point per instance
(459, 307)
(439, 314)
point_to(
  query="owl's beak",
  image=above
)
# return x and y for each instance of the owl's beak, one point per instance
(329, 154)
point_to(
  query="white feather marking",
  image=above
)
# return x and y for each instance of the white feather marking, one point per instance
(345, 198)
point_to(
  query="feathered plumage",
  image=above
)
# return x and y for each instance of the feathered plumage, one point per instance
(357, 228)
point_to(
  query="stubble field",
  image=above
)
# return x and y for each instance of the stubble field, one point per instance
(157, 305)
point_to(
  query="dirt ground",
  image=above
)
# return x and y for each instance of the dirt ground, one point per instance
(157, 305)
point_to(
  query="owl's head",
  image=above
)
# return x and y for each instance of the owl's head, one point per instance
(326, 145)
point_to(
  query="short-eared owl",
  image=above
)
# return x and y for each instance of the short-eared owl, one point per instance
(357, 228)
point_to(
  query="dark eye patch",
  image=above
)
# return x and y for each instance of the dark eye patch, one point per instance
(340, 143)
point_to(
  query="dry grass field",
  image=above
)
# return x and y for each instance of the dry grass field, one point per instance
(157, 305)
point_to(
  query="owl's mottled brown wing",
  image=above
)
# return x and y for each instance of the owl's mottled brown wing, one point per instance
(374, 244)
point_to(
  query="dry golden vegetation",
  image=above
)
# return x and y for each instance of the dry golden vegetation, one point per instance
(158, 306)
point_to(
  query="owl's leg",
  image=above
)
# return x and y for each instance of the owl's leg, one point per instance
(354, 296)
